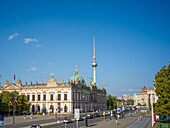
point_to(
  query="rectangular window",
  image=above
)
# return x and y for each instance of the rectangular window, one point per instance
(39, 98)
(65, 96)
(28, 97)
(59, 96)
(44, 97)
(33, 97)
(51, 97)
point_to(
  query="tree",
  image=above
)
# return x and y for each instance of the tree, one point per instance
(162, 89)
(5, 96)
(23, 104)
(4, 106)
(130, 102)
(111, 101)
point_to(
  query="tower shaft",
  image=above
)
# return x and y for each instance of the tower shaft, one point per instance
(94, 63)
(94, 74)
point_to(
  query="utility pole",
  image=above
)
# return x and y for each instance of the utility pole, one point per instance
(0, 80)
(14, 106)
(14, 110)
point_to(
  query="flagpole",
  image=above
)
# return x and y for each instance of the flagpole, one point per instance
(9, 108)
(13, 110)
(152, 109)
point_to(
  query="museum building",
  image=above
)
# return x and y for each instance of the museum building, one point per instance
(62, 97)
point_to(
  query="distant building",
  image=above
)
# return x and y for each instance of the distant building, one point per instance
(141, 98)
(126, 97)
(144, 98)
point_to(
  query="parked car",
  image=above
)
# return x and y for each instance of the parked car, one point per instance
(166, 119)
(35, 126)
(100, 114)
(81, 119)
(90, 116)
(96, 115)
(67, 120)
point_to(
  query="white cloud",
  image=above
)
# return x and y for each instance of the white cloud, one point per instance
(123, 90)
(51, 74)
(50, 63)
(133, 90)
(31, 69)
(38, 45)
(27, 40)
(12, 36)
(130, 90)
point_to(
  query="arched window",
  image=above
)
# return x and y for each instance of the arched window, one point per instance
(51, 109)
(65, 108)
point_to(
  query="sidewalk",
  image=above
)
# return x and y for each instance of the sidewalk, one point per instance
(127, 122)
(122, 123)
(140, 124)
(20, 119)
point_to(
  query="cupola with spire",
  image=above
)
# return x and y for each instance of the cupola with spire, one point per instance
(76, 77)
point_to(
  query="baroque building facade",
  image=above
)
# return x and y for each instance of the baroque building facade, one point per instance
(61, 97)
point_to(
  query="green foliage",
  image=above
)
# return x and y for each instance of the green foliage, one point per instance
(130, 102)
(111, 101)
(162, 89)
(5, 96)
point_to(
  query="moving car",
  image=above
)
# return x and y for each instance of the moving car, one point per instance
(35, 126)
(67, 120)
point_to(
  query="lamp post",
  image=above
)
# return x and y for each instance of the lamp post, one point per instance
(108, 99)
(85, 109)
(14, 109)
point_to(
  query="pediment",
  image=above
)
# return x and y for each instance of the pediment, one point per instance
(11, 87)
(52, 82)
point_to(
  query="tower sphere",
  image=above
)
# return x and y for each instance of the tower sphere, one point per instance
(94, 64)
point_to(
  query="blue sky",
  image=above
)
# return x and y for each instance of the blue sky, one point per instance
(42, 38)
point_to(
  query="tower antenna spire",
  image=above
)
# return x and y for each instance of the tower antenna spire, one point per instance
(94, 46)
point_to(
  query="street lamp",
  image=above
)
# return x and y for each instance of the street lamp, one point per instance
(86, 109)
(108, 99)
(14, 104)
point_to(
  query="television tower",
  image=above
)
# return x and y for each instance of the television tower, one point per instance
(94, 63)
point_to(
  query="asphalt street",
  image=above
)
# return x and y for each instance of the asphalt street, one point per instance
(51, 123)
(80, 123)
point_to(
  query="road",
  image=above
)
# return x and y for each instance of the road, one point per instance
(51, 123)
(80, 123)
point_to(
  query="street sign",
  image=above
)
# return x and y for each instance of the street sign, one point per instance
(2, 122)
(58, 120)
(77, 114)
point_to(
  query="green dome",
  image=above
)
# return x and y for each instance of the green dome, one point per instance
(76, 77)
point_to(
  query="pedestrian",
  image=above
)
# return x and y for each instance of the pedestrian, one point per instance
(138, 117)
(31, 116)
(116, 120)
(24, 115)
